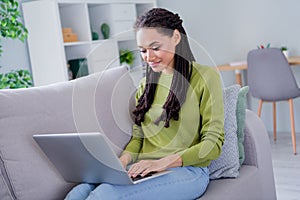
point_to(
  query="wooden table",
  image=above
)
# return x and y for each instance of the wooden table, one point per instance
(238, 66)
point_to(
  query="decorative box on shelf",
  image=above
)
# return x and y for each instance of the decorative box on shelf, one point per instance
(69, 36)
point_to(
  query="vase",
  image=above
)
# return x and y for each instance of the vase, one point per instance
(95, 36)
(105, 30)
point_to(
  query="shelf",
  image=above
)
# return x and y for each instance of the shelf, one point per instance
(76, 43)
(48, 53)
(83, 43)
(75, 16)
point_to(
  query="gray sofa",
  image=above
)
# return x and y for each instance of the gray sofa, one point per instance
(100, 102)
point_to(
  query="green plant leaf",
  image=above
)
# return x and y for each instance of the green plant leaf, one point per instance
(3, 23)
(16, 79)
(2, 6)
(126, 56)
(11, 25)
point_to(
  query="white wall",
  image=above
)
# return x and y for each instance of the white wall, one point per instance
(229, 29)
(14, 55)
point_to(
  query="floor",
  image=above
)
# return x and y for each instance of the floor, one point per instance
(286, 166)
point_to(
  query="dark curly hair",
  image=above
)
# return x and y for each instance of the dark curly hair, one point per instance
(165, 22)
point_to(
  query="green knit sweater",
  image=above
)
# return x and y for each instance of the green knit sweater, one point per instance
(198, 134)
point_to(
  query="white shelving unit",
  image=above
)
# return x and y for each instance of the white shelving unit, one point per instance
(49, 54)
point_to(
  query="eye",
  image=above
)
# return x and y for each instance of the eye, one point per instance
(142, 50)
(155, 48)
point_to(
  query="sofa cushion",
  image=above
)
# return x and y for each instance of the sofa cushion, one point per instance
(24, 112)
(244, 187)
(83, 105)
(4, 187)
(240, 117)
(227, 165)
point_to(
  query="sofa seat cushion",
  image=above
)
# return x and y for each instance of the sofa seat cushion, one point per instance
(235, 188)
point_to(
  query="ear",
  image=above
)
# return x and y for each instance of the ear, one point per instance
(176, 36)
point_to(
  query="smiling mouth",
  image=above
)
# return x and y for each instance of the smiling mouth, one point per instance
(153, 64)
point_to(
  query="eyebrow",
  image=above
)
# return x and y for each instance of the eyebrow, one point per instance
(151, 44)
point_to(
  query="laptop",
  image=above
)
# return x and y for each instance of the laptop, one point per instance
(87, 158)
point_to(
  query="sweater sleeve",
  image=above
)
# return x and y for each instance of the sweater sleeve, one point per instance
(136, 142)
(211, 108)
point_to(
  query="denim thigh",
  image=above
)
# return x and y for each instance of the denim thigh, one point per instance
(183, 183)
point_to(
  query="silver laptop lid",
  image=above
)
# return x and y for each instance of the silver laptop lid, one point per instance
(83, 157)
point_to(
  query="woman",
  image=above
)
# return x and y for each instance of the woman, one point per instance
(179, 118)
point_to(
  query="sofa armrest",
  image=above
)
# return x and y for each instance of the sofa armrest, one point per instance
(258, 152)
(256, 141)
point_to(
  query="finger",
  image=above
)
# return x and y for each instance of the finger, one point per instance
(145, 172)
(149, 170)
(135, 170)
(139, 168)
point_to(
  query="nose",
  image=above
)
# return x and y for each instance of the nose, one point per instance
(150, 56)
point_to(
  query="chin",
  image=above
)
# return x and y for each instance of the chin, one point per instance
(156, 69)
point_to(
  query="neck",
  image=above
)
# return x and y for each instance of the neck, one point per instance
(170, 68)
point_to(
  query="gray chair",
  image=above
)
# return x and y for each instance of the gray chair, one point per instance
(270, 79)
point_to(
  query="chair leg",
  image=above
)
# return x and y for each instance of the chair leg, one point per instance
(293, 125)
(274, 120)
(259, 107)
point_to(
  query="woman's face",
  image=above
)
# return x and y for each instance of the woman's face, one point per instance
(157, 49)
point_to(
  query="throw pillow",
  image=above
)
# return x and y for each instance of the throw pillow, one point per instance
(227, 165)
(240, 116)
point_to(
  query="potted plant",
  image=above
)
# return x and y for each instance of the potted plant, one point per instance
(11, 25)
(16, 79)
(261, 46)
(126, 57)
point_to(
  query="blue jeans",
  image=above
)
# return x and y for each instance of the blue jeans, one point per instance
(183, 183)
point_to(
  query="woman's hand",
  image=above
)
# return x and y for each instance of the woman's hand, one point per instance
(144, 167)
(125, 159)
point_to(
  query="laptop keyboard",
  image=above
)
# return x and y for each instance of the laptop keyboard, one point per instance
(138, 177)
